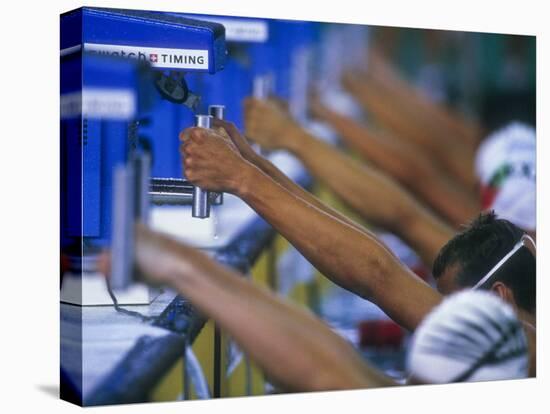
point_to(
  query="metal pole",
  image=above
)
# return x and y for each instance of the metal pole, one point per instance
(218, 112)
(201, 204)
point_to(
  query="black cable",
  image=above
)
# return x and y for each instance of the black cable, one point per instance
(144, 318)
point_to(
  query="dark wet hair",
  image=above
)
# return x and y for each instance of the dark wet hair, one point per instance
(478, 248)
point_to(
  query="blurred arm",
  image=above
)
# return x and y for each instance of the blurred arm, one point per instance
(404, 162)
(407, 122)
(296, 350)
(459, 127)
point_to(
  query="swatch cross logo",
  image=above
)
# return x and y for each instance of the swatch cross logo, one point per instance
(153, 57)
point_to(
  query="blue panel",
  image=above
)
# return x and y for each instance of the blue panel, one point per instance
(263, 56)
(163, 132)
(89, 156)
(91, 147)
(147, 29)
(71, 73)
(283, 45)
(91, 177)
(114, 134)
(71, 184)
(70, 156)
(109, 72)
(294, 43)
(229, 88)
(71, 29)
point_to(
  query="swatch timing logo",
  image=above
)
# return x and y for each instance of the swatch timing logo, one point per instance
(158, 57)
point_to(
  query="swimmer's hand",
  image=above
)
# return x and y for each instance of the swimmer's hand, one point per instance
(212, 161)
(158, 258)
(269, 125)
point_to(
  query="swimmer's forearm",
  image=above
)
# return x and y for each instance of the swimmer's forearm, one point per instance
(296, 351)
(410, 167)
(353, 259)
(335, 248)
(278, 176)
(373, 195)
(469, 131)
(408, 124)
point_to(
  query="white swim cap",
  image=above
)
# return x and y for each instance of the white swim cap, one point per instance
(470, 336)
(506, 160)
(514, 145)
(516, 201)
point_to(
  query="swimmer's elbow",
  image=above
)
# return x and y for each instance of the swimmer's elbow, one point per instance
(376, 282)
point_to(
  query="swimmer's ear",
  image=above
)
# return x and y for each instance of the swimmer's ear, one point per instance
(504, 292)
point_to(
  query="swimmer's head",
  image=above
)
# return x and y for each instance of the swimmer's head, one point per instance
(470, 336)
(474, 252)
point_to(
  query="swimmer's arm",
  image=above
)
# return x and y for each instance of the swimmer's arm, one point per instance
(467, 131)
(296, 350)
(372, 194)
(277, 175)
(408, 165)
(353, 259)
(408, 124)
(420, 227)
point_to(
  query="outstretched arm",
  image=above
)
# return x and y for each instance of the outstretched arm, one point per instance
(466, 131)
(406, 121)
(248, 153)
(296, 350)
(406, 163)
(372, 194)
(349, 257)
